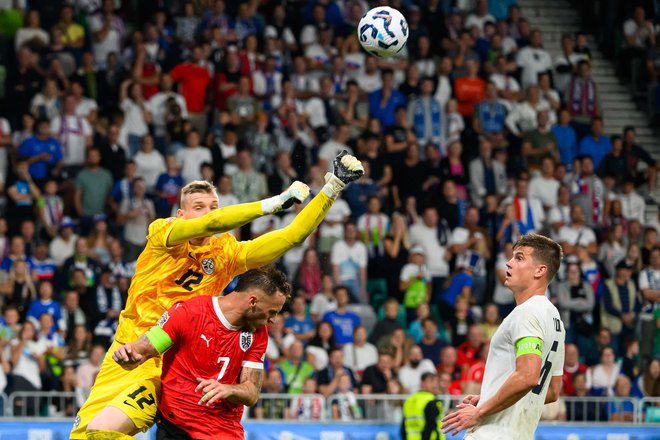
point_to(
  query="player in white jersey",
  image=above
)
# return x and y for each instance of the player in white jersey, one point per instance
(526, 358)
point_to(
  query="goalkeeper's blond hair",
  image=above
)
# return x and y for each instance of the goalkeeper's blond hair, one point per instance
(195, 187)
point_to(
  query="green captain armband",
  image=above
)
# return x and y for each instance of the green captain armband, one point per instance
(159, 339)
(527, 345)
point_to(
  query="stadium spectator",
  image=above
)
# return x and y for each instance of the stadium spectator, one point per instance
(192, 157)
(572, 368)
(330, 377)
(622, 411)
(575, 300)
(566, 138)
(621, 304)
(649, 382)
(588, 191)
(307, 406)
(295, 369)
(298, 323)
(92, 188)
(410, 374)
(349, 264)
(343, 321)
(272, 408)
(149, 163)
(430, 343)
(601, 378)
(18, 288)
(583, 100)
(376, 376)
(360, 353)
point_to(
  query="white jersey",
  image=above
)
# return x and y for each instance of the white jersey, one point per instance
(536, 317)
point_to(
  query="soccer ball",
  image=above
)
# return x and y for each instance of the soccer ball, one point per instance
(383, 31)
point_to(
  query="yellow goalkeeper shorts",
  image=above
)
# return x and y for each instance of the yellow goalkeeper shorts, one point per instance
(134, 392)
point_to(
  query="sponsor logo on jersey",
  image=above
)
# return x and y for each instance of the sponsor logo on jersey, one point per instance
(245, 340)
(163, 319)
(208, 266)
(206, 340)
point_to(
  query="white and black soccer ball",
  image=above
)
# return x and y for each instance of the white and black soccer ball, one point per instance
(383, 31)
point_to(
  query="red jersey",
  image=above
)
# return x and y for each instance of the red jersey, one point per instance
(205, 345)
(194, 80)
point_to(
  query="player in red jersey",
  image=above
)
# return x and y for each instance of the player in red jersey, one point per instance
(213, 356)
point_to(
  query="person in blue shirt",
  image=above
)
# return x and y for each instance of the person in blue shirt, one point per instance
(384, 102)
(460, 284)
(342, 321)
(596, 145)
(566, 139)
(299, 322)
(167, 187)
(45, 304)
(42, 152)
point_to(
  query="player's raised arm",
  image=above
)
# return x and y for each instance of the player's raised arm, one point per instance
(231, 217)
(246, 392)
(269, 247)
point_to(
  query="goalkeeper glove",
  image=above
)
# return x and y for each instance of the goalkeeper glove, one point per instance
(346, 169)
(296, 193)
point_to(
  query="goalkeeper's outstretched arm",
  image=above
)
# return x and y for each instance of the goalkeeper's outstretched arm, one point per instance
(269, 247)
(232, 217)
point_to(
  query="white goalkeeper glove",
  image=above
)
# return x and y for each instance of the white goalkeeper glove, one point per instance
(346, 169)
(296, 193)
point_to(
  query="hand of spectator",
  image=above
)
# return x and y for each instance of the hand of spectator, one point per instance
(45, 157)
(126, 357)
(211, 390)
(471, 399)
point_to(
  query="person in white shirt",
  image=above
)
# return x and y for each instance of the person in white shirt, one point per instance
(425, 234)
(159, 106)
(63, 246)
(73, 132)
(136, 114)
(334, 146)
(524, 116)
(508, 87)
(529, 210)
(370, 79)
(638, 31)
(577, 233)
(533, 59)
(410, 375)
(525, 365)
(349, 263)
(544, 186)
(633, 205)
(85, 107)
(107, 33)
(32, 34)
(191, 158)
(149, 163)
(560, 215)
(566, 63)
(360, 353)
(479, 18)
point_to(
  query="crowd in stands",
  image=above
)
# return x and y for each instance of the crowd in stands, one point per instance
(471, 136)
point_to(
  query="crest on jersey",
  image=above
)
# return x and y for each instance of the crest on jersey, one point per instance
(245, 341)
(208, 266)
(163, 319)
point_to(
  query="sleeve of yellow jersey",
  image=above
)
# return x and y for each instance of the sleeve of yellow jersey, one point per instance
(172, 231)
(269, 247)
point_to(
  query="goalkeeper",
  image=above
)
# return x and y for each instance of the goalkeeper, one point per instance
(183, 259)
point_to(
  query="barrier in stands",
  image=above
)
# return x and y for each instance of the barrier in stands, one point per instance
(649, 410)
(345, 408)
(41, 429)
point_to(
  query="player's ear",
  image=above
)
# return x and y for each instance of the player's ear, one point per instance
(179, 213)
(541, 271)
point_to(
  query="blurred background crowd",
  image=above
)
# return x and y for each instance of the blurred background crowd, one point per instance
(470, 137)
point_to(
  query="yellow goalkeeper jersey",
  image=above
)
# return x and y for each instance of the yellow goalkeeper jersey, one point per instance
(165, 275)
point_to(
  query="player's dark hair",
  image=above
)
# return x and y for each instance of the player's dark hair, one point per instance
(545, 250)
(266, 278)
